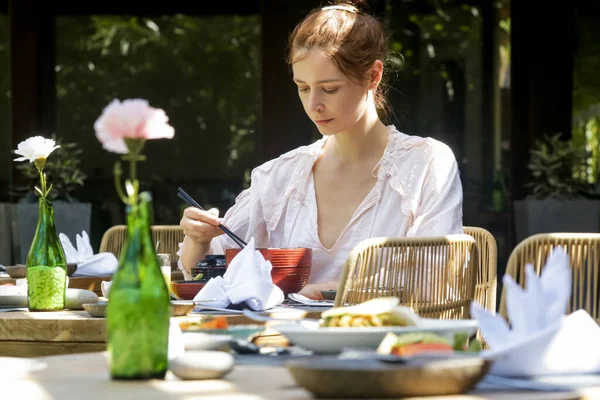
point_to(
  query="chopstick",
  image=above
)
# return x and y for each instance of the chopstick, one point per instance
(188, 199)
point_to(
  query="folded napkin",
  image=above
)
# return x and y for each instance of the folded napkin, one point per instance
(101, 264)
(247, 279)
(83, 251)
(541, 339)
(88, 263)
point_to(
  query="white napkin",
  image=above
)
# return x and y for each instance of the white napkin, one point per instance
(83, 251)
(101, 264)
(541, 340)
(88, 263)
(247, 279)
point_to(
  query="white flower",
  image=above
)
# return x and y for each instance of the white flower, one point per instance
(35, 148)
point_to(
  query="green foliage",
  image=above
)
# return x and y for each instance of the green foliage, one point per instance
(205, 72)
(62, 171)
(558, 168)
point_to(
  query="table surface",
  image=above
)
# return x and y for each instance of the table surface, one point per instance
(86, 376)
(32, 334)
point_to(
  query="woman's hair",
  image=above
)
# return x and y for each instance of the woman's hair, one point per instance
(349, 37)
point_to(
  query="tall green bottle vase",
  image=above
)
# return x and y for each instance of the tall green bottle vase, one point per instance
(139, 307)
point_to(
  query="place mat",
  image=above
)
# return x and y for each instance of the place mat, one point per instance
(201, 309)
(557, 383)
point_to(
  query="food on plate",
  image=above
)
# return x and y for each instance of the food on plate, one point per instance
(382, 311)
(413, 343)
(204, 322)
(462, 342)
(410, 344)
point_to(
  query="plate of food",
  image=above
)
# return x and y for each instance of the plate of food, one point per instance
(365, 325)
(218, 325)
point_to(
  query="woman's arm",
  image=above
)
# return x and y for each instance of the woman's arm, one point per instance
(313, 290)
(202, 236)
(440, 211)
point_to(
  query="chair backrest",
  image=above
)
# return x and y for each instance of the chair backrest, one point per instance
(113, 240)
(487, 278)
(435, 276)
(170, 236)
(584, 253)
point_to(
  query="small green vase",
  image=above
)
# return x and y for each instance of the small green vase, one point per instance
(46, 264)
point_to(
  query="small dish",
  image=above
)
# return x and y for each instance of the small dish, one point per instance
(186, 290)
(96, 310)
(181, 308)
(71, 268)
(18, 271)
(328, 294)
(237, 331)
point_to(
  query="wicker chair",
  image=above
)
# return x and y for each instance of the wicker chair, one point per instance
(584, 252)
(169, 235)
(436, 276)
(487, 280)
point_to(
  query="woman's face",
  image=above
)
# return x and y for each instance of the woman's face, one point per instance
(331, 100)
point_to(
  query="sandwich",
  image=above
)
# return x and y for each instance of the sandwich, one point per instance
(382, 311)
(413, 343)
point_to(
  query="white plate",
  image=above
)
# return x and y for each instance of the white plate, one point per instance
(205, 341)
(309, 335)
(13, 296)
(19, 368)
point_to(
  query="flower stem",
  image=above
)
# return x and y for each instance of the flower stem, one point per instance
(117, 175)
(43, 183)
(132, 177)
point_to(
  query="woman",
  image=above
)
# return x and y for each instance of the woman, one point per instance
(362, 179)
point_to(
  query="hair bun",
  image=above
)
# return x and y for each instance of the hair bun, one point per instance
(359, 4)
(348, 5)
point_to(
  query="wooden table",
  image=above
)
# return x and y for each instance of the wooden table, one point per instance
(86, 376)
(35, 334)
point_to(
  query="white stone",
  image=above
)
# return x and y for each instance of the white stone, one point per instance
(77, 297)
(202, 365)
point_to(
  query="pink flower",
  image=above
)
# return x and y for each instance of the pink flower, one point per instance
(131, 119)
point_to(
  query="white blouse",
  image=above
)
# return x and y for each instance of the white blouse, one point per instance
(418, 193)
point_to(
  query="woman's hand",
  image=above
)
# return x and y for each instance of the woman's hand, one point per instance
(313, 290)
(200, 226)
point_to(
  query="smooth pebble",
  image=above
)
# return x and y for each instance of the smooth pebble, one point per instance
(75, 298)
(202, 365)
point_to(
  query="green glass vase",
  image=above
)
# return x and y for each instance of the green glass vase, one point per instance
(46, 264)
(139, 307)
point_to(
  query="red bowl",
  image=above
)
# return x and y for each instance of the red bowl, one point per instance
(296, 257)
(290, 279)
(186, 290)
